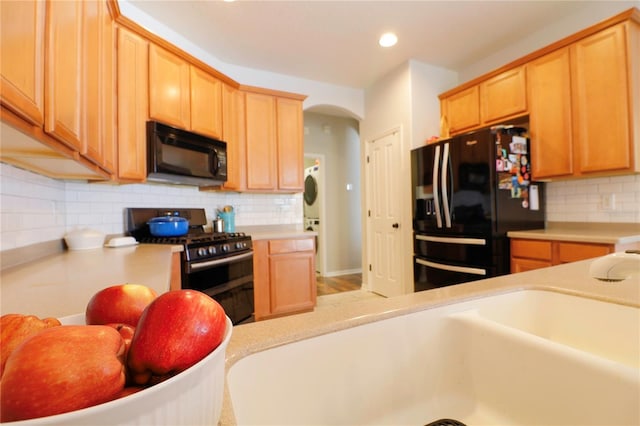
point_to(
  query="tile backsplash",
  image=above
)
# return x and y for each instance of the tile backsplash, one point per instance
(36, 209)
(606, 200)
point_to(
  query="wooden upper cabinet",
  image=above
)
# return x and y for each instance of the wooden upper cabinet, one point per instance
(504, 96)
(549, 94)
(98, 70)
(206, 103)
(233, 134)
(496, 99)
(22, 26)
(274, 141)
(260, 116)
(108, 105)
(169, 88)
(63, 72)
(602, 97)
(91, 70)
(290, 144)
(183, 95)
(133, 107)
(461, 111)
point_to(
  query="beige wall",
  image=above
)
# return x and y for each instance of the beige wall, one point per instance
(338, 139)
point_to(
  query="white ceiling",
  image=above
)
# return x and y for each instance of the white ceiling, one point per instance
(336, 41)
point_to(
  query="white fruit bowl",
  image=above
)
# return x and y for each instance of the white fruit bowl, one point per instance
(193, 397)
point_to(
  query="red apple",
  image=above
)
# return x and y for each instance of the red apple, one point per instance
(126, 332)
(122, 303)
(177, 330)
(62, 369)
(15, 328)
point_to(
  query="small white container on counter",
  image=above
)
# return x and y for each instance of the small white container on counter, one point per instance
(84, 239)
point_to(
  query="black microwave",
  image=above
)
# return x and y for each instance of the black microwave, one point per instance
(181, 157)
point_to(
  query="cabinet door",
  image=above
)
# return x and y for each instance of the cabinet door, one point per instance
(260, 118)
(290, 144)
(504, 95)
(22, 64)
(462, 110)
(573, 252)
(532, 249)
(91, 71)
(292, 278)
(169, 95)
(549, 92)
(261, 286)
(63, 76)
(108, 111)
(206, 103)
(600, 101)
(133, 110)
(522, 265)
(233, 135)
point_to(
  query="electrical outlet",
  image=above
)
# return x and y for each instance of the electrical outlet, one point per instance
(608, 201)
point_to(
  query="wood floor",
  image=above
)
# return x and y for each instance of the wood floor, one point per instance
(339, 284)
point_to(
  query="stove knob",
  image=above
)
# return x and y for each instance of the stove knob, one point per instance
(212, 250)
(225, 247)
(202, 251)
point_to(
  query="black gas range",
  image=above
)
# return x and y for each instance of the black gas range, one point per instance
(219, 264)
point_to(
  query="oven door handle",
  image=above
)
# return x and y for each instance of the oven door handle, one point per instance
(203, 265)
(451, 268)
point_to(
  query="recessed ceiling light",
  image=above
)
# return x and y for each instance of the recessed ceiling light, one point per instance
(388, 39)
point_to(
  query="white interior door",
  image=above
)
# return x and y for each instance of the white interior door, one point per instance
(384, 212)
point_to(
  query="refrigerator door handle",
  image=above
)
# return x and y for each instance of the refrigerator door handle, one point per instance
(453, 240)
(436, 196)
(451, 268)
(445, 197)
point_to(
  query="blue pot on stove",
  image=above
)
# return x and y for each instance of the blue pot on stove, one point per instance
(168, 226)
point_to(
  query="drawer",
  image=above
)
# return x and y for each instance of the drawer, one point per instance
(290, 246)
(531, 249)
(572, 252)
(522, 265)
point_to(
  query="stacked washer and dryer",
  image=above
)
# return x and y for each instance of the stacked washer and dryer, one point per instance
(312, 205)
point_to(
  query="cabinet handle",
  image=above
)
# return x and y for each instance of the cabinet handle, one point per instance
(395, 225)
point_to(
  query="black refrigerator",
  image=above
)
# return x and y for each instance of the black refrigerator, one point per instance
(468, 192)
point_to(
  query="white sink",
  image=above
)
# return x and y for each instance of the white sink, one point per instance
(604, 329)
(522, 358)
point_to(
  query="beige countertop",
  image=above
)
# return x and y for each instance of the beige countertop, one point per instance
(274, 232)
(572, 278)
(597, 233)
(62, 284)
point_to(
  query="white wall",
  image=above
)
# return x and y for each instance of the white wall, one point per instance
(427, 82)
(388, 107)
(36, 209)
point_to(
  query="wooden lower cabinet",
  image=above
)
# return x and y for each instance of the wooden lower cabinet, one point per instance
(535, 254)
(175, 282)
(284, 276)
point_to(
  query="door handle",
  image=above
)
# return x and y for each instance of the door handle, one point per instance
(395, 225)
